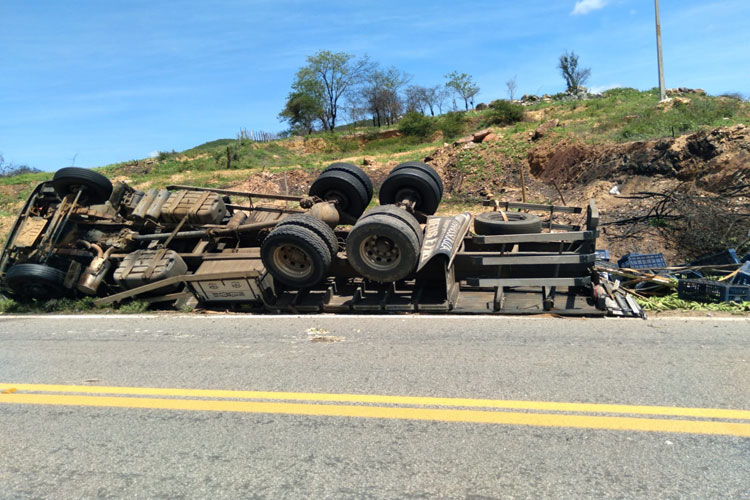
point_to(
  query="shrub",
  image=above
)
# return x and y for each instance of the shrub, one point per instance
(11, 306)
(622, 92)
(452, 124)
(504, 113)
(166, 155)
(416, 124)
(133, 307)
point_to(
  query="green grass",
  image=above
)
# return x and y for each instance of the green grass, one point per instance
(626, 114)
(26, 179)
(67, 305)
(683, 118)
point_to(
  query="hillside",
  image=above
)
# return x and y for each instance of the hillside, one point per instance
(691, 148)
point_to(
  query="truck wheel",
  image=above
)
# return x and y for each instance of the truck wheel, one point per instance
(489, 223)
(414, 183)
(96, 188)
(35, 281)
(400, 214)
(295, 256)
(317, 226)
(382, 248)
(357, 172)
(425, 168)
(343, 187)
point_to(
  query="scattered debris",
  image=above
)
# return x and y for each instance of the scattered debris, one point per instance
(322, 335)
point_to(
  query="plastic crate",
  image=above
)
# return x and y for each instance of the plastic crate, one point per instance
(712, 291)
(687, 274)
(602, 255)
(743, 275)
(726, 257)
(642, 261)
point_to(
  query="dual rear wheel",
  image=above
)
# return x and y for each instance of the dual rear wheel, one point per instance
(414, 182)
(383, 245)
(345, 184)
(299, 250)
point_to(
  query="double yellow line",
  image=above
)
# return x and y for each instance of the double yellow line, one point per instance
(488, 411)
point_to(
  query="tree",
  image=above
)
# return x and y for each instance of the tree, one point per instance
(415, 98)
(10, 170)
(511, 86)
(356, 109)
(327, 77)
(574, 77)
(463, 85)
(381, 93)
(434, 98)
(301, 112)
(441, 94)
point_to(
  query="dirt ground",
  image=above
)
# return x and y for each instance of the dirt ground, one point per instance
(570, 173)
(555, 171)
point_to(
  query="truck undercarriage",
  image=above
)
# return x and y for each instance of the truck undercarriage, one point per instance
(79, 235)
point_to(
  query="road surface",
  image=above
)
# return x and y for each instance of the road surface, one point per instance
(373, 407)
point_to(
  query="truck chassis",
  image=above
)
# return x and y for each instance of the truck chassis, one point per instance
(78, 235)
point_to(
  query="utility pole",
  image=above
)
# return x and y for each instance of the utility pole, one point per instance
(662, 89)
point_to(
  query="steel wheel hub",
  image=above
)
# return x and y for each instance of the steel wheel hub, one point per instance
(292, 261)
(380, 253)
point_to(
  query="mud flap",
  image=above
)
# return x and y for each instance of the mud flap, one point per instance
(443, 236)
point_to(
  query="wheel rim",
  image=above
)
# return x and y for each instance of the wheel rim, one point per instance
(338, 197)
(380, 253)
(292, 261)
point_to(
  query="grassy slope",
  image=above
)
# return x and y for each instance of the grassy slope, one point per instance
(621, 115)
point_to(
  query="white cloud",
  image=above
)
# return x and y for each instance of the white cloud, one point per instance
(586, 6)
(153, 154)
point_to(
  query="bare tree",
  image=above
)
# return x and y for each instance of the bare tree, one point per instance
(441, 96)
(574, 77)
(434, 97)
(415, 98)
(511, 86)
(356, 108)
(381, 93)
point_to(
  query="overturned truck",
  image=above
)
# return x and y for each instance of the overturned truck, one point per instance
(80, 235)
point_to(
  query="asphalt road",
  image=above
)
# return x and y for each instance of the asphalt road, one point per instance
(83, 441)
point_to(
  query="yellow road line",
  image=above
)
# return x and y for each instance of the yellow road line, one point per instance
(470, 416)
(396, 400)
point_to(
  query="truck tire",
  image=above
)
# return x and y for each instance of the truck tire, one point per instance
(382, 248)
(317, 226)
(489, 223)
(36, 281)
(357, 172)
(425, 168)
(344, 188)
(296, 256)
(400, 214)
(96, 188)
(411, 181)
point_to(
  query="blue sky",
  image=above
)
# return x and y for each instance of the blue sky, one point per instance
(110, 81)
